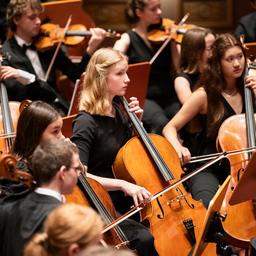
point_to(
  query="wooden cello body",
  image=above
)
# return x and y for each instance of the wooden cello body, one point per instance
(89, 192)
(9, 115)
(174, 219)
(239, 132)
(240, 223)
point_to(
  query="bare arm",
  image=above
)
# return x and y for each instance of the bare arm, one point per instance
(175, 48)
(182, 88)
(196, 103)
(251, 81)
(139, 194)
(98, 35)
(123, 43)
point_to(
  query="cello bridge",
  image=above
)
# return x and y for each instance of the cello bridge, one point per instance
(176, 199)
(122, 245)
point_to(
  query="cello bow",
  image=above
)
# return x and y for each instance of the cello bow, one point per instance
(139, 207)
(145, 161)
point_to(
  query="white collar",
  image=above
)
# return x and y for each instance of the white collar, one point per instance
(49, 192)
(20, 41)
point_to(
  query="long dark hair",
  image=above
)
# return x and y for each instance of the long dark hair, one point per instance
(212, 80)
(192, 47)
(32, 122)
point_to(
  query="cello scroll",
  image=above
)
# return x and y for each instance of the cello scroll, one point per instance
(8, 164)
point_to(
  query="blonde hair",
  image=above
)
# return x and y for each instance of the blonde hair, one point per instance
(66, 225)
(94, 95)
(98, 250)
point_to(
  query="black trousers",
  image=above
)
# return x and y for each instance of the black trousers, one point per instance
(157, 114)
(139, 236)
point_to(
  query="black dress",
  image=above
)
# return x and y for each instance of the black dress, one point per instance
(99, 138)
(161, 101)
(205, 184)
(188, 137)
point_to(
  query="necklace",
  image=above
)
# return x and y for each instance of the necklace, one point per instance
(230, 95)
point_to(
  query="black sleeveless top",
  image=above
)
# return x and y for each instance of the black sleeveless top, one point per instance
(204, 146)
(160, 82)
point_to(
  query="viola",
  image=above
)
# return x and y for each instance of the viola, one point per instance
(158, 35)
(174, 219)
(51, 34)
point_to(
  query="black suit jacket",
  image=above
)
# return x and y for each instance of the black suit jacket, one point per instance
(247, 26)
(21, 219)
(46, 91)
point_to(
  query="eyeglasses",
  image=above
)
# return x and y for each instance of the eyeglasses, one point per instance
(78, 169)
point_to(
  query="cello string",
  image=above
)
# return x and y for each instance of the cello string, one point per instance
(158, 160)
(9, 135)
(139, 207)
(150, 145)
(101, 208)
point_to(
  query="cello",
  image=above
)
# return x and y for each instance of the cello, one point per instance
(8, 164)
(9, 114)
(91, 193)
(240, 129)
(150, 161)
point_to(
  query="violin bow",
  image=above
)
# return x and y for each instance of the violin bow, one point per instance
(139, 207)
(57, 49)
(168, 39)
(195, 159)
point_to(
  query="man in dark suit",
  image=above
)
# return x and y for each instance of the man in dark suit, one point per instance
(56, 168)
(247, 26)
(24, 68)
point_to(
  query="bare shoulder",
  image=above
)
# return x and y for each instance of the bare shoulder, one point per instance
(200, 99)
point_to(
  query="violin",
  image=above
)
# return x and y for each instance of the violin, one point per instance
(159, 33)
(51, 34)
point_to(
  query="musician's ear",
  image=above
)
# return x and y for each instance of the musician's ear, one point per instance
(73, 249)
(138, 12)
(16, 20)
